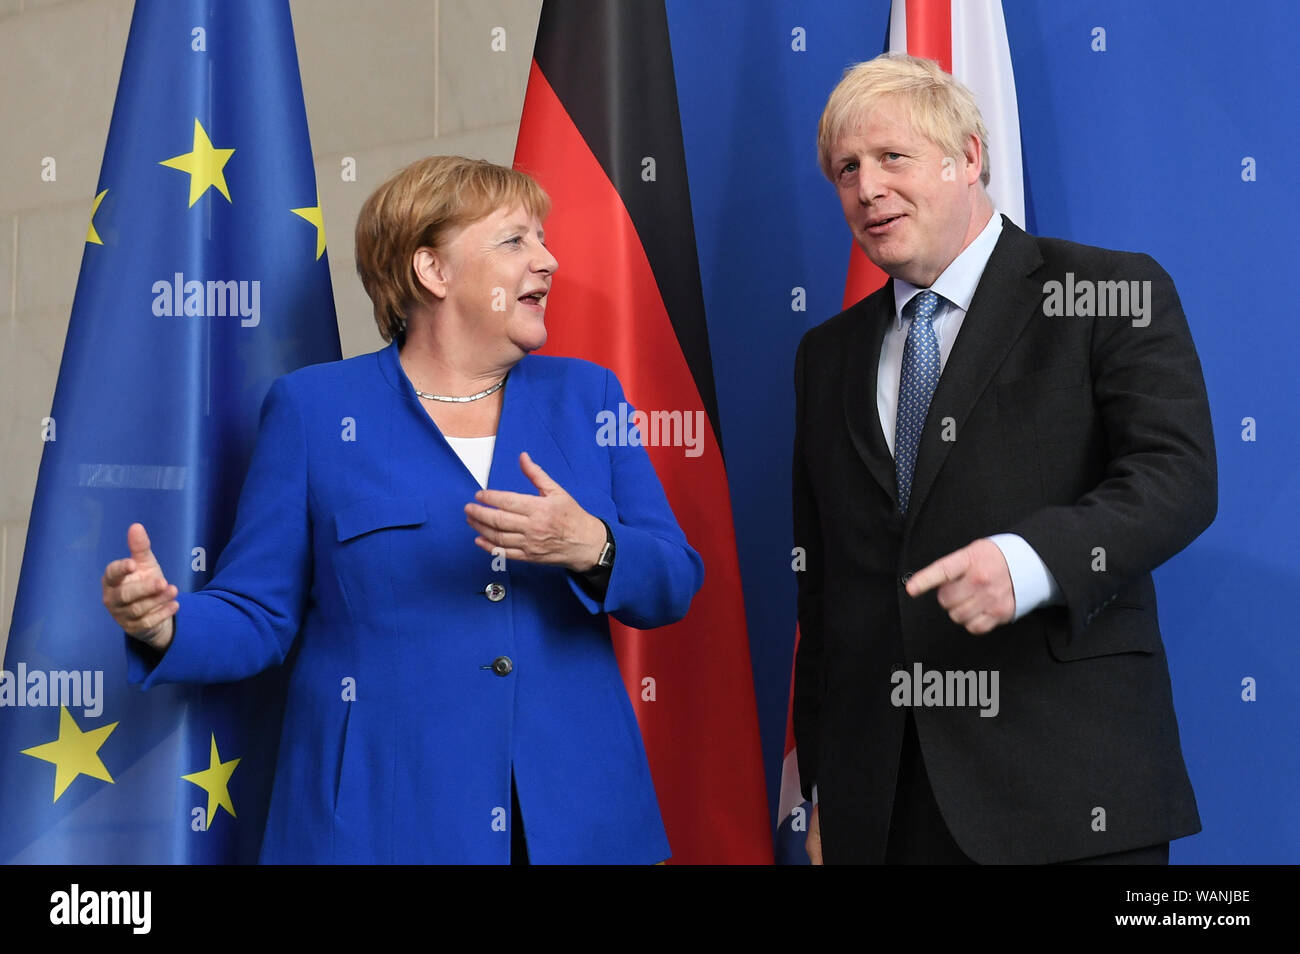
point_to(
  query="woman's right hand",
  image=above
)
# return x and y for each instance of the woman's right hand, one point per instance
(138, 596)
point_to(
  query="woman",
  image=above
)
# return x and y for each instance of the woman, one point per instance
(453, 661)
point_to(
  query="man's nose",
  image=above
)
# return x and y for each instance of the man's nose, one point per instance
(870, 184)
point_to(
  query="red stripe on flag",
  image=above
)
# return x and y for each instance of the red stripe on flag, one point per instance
(929, 30)
(863, 277)
(701, 732)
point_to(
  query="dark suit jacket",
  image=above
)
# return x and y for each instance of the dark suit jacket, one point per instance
(1088, 436)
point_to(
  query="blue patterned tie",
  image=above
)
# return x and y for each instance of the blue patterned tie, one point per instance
(915, 388)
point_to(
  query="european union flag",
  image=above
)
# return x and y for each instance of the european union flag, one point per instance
(204, 278)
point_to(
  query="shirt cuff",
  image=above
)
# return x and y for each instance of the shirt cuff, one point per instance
(814, 801)
(1031, 580)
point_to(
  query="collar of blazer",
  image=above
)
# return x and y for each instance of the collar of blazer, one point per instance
(520, 428)
(1006, 298)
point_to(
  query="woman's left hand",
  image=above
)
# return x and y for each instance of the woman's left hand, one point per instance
(549, 528)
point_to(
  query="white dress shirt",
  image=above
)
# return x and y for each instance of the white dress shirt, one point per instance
(1032, 582)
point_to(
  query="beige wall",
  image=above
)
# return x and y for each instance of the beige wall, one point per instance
(386, 81)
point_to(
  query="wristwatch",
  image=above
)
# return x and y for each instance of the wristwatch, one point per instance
(606, 559)
(596, 580)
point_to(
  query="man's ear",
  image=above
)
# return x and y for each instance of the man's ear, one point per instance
(974, 156)
(431, 271)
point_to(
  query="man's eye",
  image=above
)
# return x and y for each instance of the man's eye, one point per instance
(848, 167)
(517, 239)
(893, 155)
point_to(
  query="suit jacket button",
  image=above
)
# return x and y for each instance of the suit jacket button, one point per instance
(496, 592)
(902, 580)
(502, 666)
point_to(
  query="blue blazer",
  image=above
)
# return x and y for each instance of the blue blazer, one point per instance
(351, 539)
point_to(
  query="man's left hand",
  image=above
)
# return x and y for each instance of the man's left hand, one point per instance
(974, 586)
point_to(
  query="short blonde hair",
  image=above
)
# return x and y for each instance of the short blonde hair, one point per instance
(416, 208)
(938, 106)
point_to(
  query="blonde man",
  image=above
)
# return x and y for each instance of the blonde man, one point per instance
(988, 464)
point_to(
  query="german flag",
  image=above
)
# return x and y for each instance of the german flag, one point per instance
(602, 134)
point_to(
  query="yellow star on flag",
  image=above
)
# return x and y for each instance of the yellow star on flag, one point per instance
(204, 164)
(91, 235)
(313, 215)
(73, 753)
(215, 780)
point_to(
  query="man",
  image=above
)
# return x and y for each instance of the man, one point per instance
(992, 453)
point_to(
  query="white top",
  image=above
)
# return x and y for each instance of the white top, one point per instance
(476, 454)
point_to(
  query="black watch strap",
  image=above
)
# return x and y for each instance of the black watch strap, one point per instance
(606, 560)
(596, 580)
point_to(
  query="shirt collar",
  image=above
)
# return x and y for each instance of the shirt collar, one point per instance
(958, 282)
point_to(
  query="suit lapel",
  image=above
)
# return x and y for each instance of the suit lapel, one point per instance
(861, 362)
(521, 428)
(1004, 302)
(391, 365)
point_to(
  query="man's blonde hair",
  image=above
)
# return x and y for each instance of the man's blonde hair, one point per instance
(938, 106)
(416, 208)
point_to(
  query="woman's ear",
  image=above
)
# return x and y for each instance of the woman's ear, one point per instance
(431, 271)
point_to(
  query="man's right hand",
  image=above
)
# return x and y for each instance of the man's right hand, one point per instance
(138, 596)
(813, 844)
